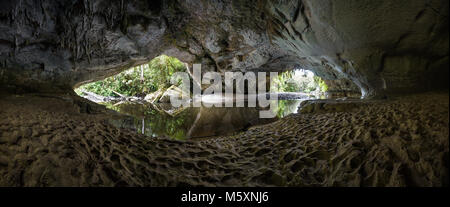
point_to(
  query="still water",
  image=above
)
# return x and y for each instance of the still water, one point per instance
(161, 120)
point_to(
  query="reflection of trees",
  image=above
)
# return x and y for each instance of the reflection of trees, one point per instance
(157, 123)
(286, 107)
(163, 124)
(197, 122)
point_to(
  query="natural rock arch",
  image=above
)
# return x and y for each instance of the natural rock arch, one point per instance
(59, 139)
(383, 46)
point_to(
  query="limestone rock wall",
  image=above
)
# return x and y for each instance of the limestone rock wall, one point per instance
(382, 46)
(340, 88)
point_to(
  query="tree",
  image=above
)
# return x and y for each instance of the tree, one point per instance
(140, 80)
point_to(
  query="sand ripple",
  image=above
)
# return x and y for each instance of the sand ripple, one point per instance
(65, 141)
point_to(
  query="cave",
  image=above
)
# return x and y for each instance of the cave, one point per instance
(382, 122)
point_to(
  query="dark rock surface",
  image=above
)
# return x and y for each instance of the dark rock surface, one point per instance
(342, 88)
(381, 46)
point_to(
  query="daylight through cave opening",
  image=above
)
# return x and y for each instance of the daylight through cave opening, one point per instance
(144, 93)
(137, 81)
(383, 122)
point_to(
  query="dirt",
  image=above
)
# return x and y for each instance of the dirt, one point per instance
(64, 140)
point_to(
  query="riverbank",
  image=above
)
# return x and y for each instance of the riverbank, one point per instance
(64, 140)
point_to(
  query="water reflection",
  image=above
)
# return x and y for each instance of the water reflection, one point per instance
(194, 122)
(286, 107)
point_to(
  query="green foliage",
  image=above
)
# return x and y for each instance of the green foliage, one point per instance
(162, 68)
(156, 75)
(298, 81)
(286, 107)
(322, 85)
(286, 83)
(157, 123)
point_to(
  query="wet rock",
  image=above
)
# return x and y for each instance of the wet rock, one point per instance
(155, 96)
(173, 92)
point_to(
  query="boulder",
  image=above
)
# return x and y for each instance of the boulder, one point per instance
(172, 92)
(155, 96)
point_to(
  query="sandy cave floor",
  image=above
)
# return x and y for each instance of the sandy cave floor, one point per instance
(63, 140)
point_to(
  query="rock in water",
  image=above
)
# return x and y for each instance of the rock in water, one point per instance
(173, 92)
(155, 96)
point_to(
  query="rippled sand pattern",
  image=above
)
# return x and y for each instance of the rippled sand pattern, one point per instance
(63, 141)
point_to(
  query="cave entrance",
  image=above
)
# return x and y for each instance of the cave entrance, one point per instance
(295, 86)
(135, 82)
(142, 94)
(300, 81)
